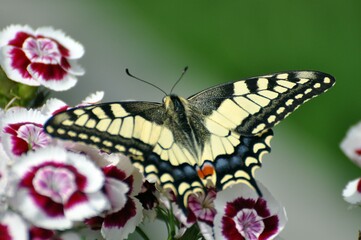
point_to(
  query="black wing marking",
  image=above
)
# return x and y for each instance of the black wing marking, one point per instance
(109, 126)
(250, 106)
(241, 165)
(137, 130)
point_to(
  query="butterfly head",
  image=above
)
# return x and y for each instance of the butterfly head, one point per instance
(174, 103)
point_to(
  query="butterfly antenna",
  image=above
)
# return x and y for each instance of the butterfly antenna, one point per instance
(151, 84)
(181, 76)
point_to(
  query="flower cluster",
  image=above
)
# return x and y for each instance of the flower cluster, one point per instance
(351, 146)
(52, 189)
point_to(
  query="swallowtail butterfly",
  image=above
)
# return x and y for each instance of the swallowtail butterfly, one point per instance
(218, 135)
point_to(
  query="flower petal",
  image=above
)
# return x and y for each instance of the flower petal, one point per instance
(352, 192)
(12, 226)
(72, 67)
(52, 76)
(119, 225)
(73, 48)
(9, 35)
(93, 98)
(52, 106)
(31, 211)
(351, 144)
(93, 204)
(15, 64)
(116, 191)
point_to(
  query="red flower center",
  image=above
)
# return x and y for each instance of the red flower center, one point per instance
(55, 183)
(249, 224)
(41, 50)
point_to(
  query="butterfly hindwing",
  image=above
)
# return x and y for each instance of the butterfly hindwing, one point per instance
(255, 104)
(242, 163)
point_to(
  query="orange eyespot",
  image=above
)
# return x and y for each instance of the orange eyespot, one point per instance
(205, 171)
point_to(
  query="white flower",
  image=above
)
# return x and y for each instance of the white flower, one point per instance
(55, 188)
(44, 56)
(22, 131)
(242, 214)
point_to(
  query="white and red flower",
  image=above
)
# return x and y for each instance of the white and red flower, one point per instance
(352, 192)
(55, 188)
(122, 183)
(351, 144)
(22, 131)
(201, 208)
(12, 227)
(243, 215)
(44, 56)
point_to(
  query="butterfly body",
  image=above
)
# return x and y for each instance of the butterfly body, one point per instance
(216, 137)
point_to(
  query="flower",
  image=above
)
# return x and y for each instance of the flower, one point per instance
(352, 192)
(122, 183)
(351, 144)
(201, 207)
(55, 188)
(44, 56)
(200, 210)
(12, 226)
(22, 130)
(242, 214)
(148, 195)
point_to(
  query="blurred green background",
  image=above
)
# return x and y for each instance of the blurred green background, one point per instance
(226, 41)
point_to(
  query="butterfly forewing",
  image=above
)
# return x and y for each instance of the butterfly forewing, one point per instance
(113, 127)
(250, 106)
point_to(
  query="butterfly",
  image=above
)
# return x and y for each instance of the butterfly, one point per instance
(216, 137)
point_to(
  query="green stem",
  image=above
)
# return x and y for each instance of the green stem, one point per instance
(171, 224)
(142, 233)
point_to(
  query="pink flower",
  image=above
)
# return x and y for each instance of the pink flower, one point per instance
(122, 183)
(22, 131)
(351, 144)
(200, 210)
(201, 207)
(12, 227)
(55, 188)
(44, 56)
(352, 192)
(243, 215)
